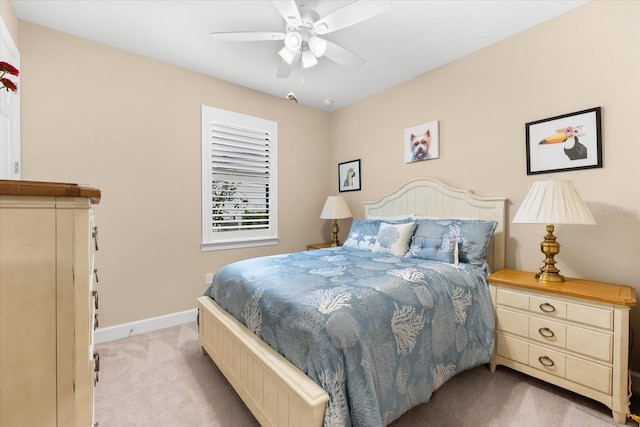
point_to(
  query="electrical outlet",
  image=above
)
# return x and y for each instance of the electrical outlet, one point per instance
(208, 278)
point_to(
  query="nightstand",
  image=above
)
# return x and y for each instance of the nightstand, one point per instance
(318, 246)
(574, 334)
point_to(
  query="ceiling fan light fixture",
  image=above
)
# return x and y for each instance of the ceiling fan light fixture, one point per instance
(287, 54)
(308, 59)
(293, 41)
(317, 46)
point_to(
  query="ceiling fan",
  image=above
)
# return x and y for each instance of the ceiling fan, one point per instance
(303, 27)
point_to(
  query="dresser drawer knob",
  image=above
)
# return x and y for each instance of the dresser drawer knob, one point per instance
(546, 361)
(546, 332)
(547, 308)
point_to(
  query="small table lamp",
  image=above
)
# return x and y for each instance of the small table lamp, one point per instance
(335, 208)
(552, 202)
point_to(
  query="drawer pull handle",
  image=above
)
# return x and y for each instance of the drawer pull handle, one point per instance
(95, 237)
(547, 308)
(96, 324)
(546, 361)
(95, 274)
(96, 367)
(546, 332)
(95, 299)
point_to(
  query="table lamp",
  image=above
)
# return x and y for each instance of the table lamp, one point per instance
(552, 202)
(335, 208)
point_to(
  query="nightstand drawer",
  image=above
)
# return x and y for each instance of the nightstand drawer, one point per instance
(550, 307)
(512, 299)
(580, 313)
(556, 333)
(590, 343)
(512, 322)
(512, 348)
(592, 316)
(593, 375)
(547, 360)
(548, 332)
(589, 374)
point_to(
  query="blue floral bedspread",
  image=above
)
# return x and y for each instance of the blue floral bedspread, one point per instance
(379, 333)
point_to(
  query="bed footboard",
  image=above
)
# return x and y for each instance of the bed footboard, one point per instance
(275, 391)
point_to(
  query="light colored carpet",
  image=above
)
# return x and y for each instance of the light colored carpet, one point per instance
(162, 379)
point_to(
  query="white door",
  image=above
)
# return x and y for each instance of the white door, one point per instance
(9, 111)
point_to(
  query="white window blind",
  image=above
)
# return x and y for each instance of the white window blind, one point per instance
(239, 191)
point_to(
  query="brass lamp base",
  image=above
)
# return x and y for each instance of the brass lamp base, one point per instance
(334, 229)
(549, 247)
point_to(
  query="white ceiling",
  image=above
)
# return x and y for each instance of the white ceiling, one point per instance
(410, 38)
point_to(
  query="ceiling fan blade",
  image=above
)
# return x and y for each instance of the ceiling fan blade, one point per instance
(351, 14)
(247, 36)
(343, 56)
(289, 11)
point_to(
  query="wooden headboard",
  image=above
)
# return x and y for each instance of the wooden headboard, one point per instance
(429, 197)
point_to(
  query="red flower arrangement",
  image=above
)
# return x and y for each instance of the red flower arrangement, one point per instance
(6, 68)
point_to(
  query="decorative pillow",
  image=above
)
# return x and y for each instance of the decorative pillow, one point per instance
(452, 240)
(394, 239)
(362, 234)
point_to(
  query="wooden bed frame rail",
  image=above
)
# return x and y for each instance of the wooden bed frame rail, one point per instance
(275, 391)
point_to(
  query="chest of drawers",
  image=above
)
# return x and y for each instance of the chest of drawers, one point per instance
(47, 304)
(573, 334)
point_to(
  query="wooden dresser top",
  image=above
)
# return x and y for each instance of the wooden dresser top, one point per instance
(51, 189)
(587, 289)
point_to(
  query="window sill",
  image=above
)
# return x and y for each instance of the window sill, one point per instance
(237, 244)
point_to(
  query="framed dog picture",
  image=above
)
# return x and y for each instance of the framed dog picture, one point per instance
(562, 143)
(349, 178)
(421, 142)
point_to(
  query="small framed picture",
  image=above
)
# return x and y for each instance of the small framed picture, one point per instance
(421, 142)
(349, 178)
(563, 143)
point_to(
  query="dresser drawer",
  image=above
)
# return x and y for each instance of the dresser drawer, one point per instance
(512, 322)
(543, 359)
(590, 343)
(587, 315)
(512, 348)
(589, 374)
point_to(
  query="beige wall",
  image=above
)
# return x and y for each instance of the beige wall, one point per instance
(587, 58)
(130, 126)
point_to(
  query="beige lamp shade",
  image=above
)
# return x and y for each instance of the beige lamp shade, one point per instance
(335, 208)
(553, 202)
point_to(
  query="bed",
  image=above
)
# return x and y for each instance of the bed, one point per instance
(280, 394)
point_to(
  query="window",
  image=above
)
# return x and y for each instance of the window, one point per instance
(239, 191)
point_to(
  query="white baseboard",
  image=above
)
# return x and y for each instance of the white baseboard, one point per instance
(635, 382)
(124, 330)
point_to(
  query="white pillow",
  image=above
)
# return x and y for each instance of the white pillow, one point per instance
(394, 239)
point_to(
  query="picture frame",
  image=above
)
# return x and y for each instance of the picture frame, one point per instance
(421, 142)
(349, 178)
(564, 143)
